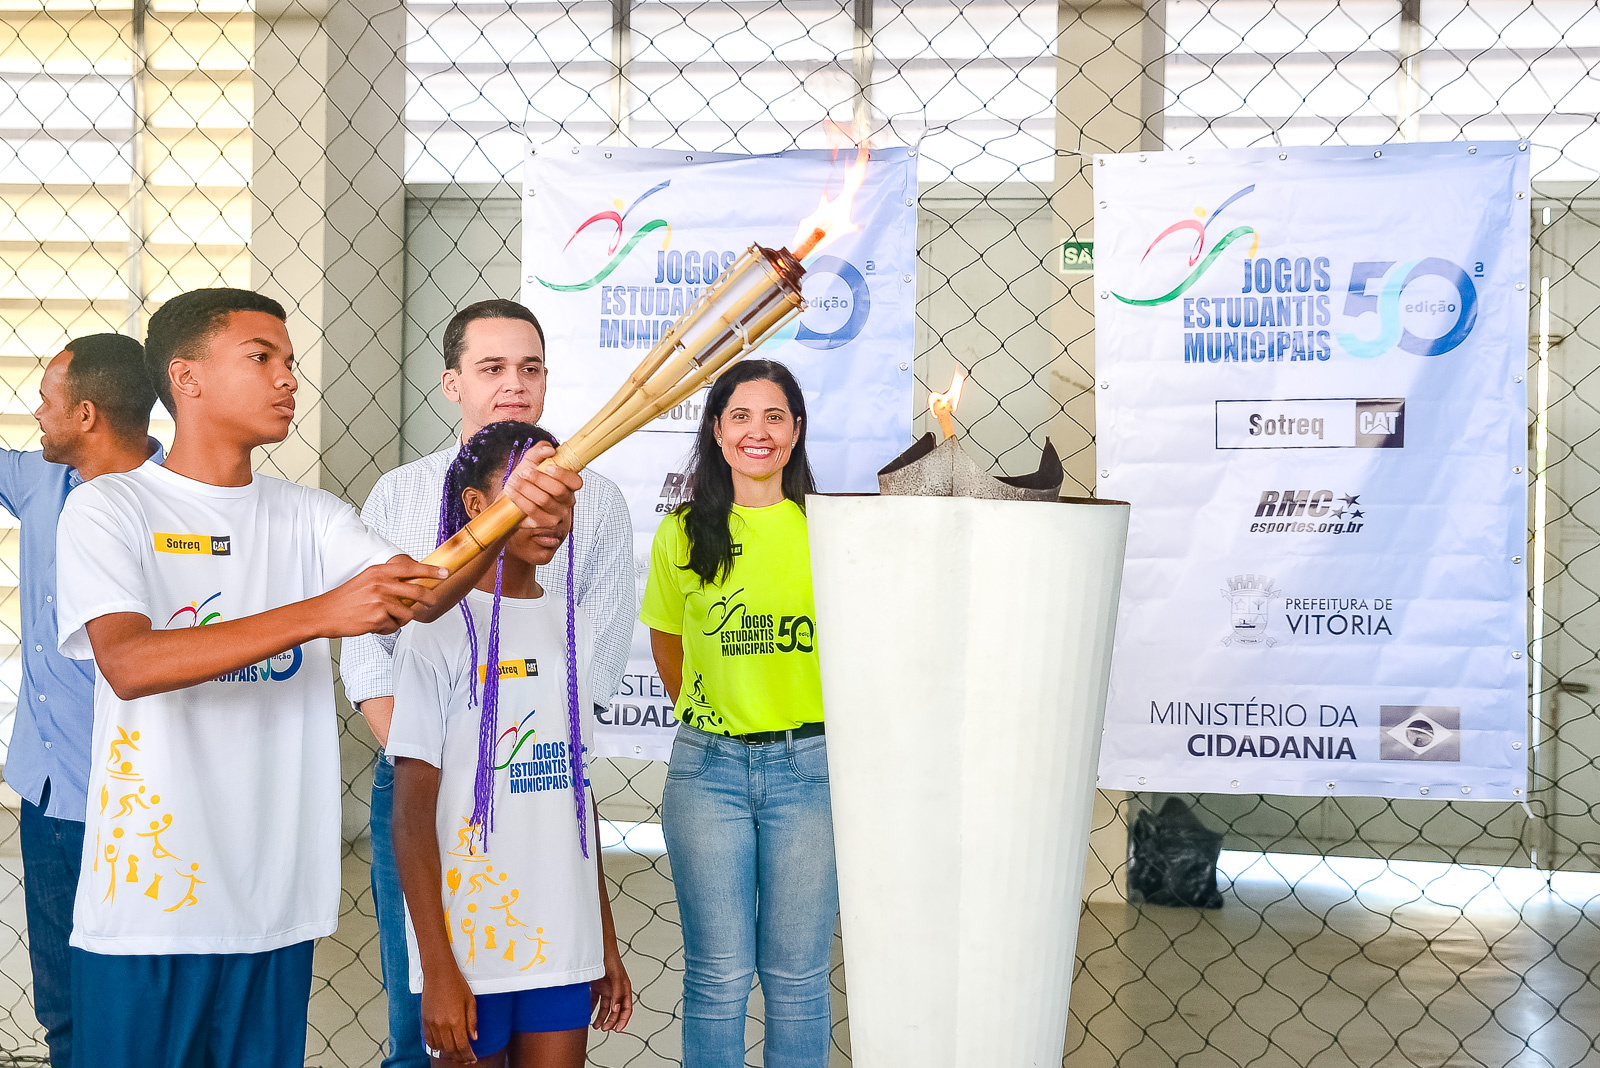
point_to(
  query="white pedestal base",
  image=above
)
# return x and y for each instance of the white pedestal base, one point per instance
(966, 647)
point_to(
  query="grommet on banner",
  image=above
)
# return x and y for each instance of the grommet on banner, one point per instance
(1521, 286)
(1377, 154)
(1424, 791)
(608, 155)
(1235, 784)
(1191, 159)
(1516, 470)
(1472, 150)
(1141, 157)
(1516, 791)
(1516, 654)
(574, 150)
(1283, 155)
(1516, 745)
(1141, 780)
(1466, 789)
(1102, 203)
(1516, 378)
(1516, 559)
(905, 367)
(1105, 385)
(1523, 147)
(1520, 194)
(905, 278)
(1330, 786)
(1104, 294)
(530, 279)
(1104, 473)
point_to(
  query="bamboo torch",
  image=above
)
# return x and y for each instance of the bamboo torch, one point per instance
(752, 299)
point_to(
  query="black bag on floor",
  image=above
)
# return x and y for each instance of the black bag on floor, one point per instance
(1172, 859)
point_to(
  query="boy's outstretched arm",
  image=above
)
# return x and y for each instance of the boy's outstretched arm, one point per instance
(546, 499)
(449, 1010)
(138, 660)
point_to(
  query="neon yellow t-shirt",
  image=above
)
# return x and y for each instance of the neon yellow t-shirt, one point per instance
(749, 642)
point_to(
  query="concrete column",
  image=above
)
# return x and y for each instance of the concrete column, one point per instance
(1109, 97)
(328, 227)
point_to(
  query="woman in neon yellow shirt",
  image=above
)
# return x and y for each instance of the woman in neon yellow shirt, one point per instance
(745, 812)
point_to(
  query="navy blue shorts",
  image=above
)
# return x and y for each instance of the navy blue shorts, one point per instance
(189, 1010)
(520, 1012)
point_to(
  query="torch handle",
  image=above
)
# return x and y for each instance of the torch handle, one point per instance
(488, 526)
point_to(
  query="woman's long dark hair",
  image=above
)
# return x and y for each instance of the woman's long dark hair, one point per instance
(710, 486)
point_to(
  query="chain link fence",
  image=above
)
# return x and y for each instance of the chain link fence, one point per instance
(359, 159)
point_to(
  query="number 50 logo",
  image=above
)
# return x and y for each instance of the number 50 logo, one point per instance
(1386, 306)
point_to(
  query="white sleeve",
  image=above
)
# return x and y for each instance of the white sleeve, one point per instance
(365, 660)
(347, 546)
(423, 688)
(100, 565)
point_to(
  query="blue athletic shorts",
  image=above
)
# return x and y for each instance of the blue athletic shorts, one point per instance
(244, 1010)
(517, 1012)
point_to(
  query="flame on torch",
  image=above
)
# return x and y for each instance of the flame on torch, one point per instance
(831, 220)
(943, 405)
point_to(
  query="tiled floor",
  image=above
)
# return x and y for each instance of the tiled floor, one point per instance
(1411, 965)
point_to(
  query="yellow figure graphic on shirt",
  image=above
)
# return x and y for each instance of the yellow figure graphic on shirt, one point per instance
(467, 927)
(157, 828)
(488, 938)
(122, 740)
(538, 951)
(466, 848)
(506, 901)
(188, 897)
(133, 868)
(511, 951)
(127, 801)
(154, 892)
(111, 861)
(477, 881)
(452, 879)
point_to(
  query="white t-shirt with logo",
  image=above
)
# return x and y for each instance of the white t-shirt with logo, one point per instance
(213, 820)
(525, 912)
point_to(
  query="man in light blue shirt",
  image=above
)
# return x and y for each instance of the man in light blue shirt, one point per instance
(94, 418)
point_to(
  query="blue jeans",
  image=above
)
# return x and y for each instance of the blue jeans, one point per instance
(405, 1008)
(52, 855)
(749, 832)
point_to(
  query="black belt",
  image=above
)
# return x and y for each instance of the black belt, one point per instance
(805, 730)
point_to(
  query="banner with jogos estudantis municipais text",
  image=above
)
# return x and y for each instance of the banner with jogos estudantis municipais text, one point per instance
(1311, 370)
(618, 242)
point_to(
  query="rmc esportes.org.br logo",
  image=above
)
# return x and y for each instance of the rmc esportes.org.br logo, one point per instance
(1286, 309)
(274, 669)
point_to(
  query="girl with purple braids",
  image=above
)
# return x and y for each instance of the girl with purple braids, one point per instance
(508, 920)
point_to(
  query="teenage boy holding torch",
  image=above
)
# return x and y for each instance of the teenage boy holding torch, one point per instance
(206, 594)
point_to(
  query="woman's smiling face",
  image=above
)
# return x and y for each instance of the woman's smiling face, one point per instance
(757, 431)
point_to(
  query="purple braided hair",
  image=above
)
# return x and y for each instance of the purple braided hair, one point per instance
(574, 725)
(468, 469)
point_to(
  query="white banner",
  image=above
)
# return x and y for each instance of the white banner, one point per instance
(617, 242)
(1311, 368)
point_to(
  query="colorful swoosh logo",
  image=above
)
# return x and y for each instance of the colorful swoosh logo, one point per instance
(617, 219)
(1200, 265)
(521, 740)
(194, 610)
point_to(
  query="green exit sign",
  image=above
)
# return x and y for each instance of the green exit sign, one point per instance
(1077, 257)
